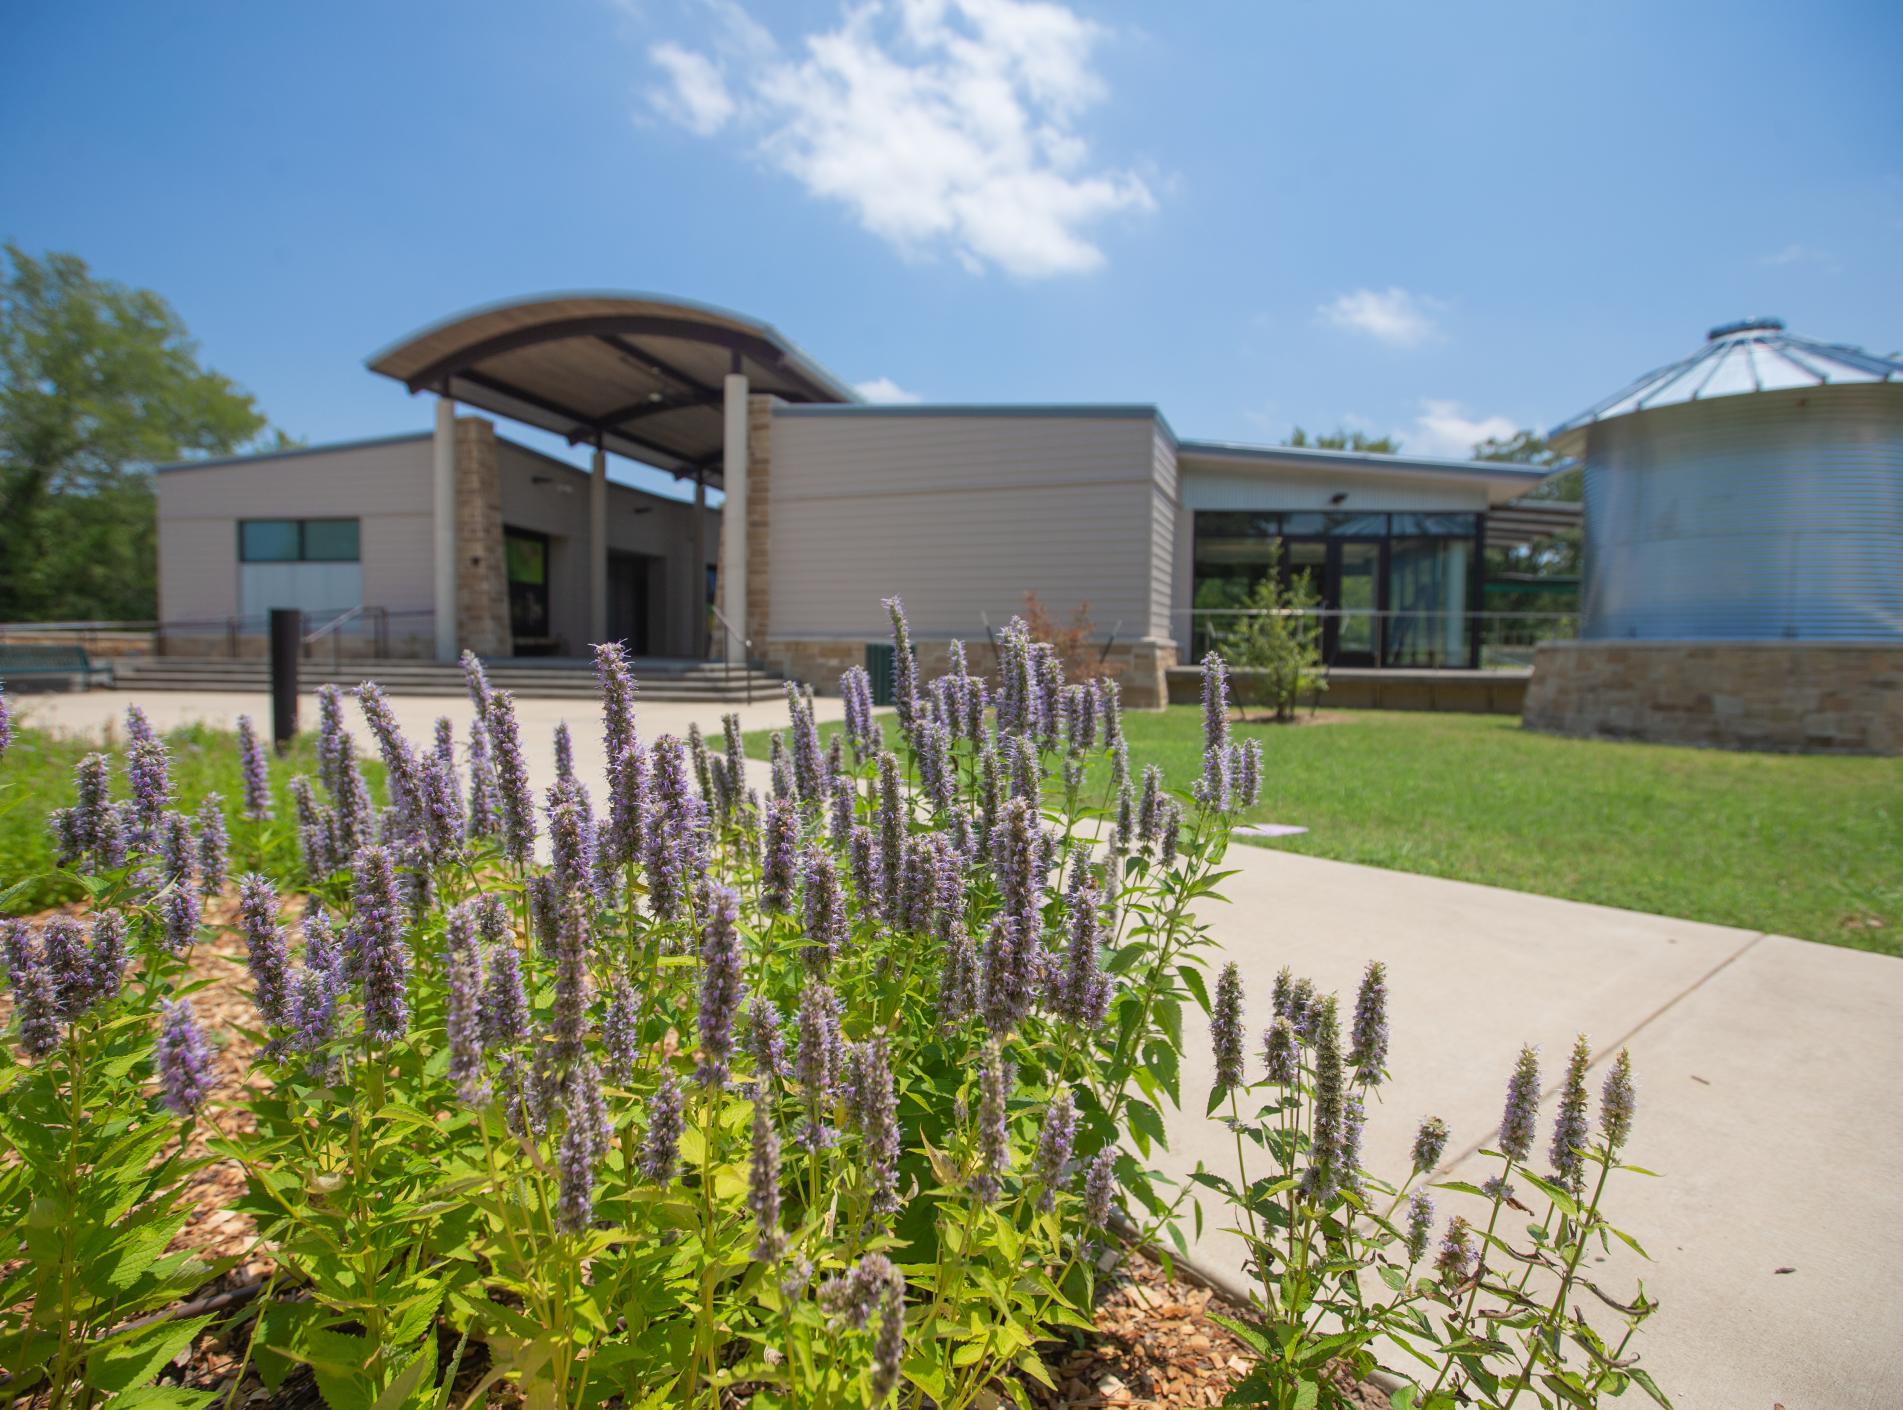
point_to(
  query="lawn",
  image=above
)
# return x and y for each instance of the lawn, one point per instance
(37, 775)
(1806, 846)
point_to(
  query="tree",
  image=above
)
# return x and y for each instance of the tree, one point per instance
(1280, 640)
(98, 382)
(1344, 439)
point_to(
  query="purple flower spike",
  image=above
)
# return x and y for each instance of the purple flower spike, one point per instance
(184, 1059)
(376, 937)
(994, 1134)
(1617, 1100)
(213, 845)
(1225, 1028)
(1523, 1106)
(619, 1038)
(108, 959)
(819, 1061)
(178, 917)
(1570, 1126)
(1054, 1146)
(661, 1148)
(462, 993)
(266, 955)
(875, 1115)
(763, 1185)
(1420, 1225)
(564, 751)
(779, 843)
(584, 1139)
(1430, 1143)
(505, 1003)
(257, 773)
(517, 804)
(1368, 1053)
(1100, 1188)
(721, 987)
(6, 725)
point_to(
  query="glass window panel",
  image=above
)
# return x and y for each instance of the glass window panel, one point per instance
(1427, 600)
(1358, 525)
(1304, 525)
(268, 540)
(330, 540)
(528, 560)
(1461, 525)
(1360, 562)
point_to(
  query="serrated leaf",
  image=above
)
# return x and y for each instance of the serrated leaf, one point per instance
(135, 1360)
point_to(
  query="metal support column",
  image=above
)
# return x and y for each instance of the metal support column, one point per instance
(598, 547)
(733, 515)
(443, 516)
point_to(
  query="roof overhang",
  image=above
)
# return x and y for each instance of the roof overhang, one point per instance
(1501, 480)
(636, 374)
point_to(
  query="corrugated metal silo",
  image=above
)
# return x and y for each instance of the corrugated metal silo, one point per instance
(1750, 492)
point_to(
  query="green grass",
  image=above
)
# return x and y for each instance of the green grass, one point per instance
(1798, 845)
(36, 776)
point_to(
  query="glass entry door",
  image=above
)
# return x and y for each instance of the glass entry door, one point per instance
(1346, 574)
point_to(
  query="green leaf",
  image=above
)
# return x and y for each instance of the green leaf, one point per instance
(134, 1360)
(1648, 1385)
(1562, 1199)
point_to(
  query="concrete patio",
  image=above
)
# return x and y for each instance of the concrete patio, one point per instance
(1767, 1066)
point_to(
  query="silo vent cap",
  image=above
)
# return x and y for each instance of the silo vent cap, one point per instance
(1745, 325)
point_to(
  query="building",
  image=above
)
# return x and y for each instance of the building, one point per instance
(1743, 552)
(461, 538)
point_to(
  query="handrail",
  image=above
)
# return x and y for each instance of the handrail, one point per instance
(349, 614)
(746, 651)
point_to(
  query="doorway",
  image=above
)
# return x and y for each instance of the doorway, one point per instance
(1347, 574)
(632, 599)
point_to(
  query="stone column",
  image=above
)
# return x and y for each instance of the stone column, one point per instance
(697, 579)
(482, 571)
(759, 593)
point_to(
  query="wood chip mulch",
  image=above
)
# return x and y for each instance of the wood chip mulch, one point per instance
(1154, 1348)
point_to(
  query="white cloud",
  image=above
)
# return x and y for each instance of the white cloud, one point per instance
(883, 391)
(939, 124)
(1445, 429)
(1803, 254)
(1392, 316)
(696, 95)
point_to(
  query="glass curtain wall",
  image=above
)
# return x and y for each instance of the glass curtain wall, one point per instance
(1399, 587)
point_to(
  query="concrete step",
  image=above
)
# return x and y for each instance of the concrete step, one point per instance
(659, 681)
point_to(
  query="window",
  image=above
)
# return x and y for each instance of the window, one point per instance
(1395, 587)
(298, 540)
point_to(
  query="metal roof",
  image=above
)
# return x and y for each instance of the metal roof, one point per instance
(640, 373)
(1737, 359)
(1503, 478)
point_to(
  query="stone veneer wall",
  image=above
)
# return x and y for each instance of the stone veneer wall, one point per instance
(1785, 696)
(759, 502)
(1141, 667)
(482, 575)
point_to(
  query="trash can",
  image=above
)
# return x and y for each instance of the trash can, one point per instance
(880, 658)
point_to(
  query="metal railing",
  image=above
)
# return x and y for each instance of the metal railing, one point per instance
(746, 653)
(1402, 639)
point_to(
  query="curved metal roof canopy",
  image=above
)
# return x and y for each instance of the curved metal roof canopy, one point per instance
(1753, 355)
(640, 374)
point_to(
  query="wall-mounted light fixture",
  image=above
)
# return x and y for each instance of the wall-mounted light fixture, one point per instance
(1338, 497)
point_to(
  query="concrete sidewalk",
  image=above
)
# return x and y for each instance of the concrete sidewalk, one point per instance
(1768, 1103)
(90, 713)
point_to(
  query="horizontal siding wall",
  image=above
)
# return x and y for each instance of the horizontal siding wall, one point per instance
(385, 485)
(961, 515)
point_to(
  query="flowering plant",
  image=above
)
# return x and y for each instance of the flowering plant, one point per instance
(818, 1097)
(1344, 1262)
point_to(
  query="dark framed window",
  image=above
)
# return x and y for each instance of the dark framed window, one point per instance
(1399, 588)
(298, 541)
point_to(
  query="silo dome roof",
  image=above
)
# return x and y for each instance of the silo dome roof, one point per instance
(1752, 355)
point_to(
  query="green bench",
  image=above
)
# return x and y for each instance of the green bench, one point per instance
(20, 659)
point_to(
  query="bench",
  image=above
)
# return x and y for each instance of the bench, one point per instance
(20, 659)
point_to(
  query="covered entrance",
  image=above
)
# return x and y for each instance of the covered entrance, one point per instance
(660, 382)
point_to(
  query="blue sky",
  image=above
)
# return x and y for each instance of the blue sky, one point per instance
(1431, 220)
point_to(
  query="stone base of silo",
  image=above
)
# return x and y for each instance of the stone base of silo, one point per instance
(1782, 696)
